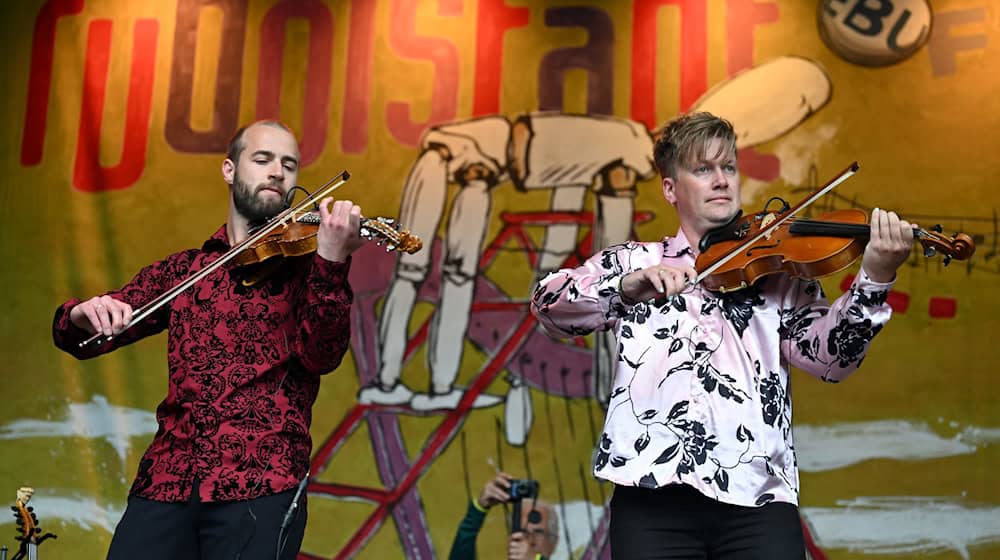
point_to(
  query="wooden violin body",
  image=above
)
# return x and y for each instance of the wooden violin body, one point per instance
(294, 240)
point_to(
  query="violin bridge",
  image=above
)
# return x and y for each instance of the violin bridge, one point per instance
(767, 220)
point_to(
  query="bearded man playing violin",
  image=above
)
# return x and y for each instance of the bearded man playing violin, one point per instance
(697, 438)
(222, 473)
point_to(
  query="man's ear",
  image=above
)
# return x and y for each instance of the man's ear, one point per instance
(668, 191)
(228, 170)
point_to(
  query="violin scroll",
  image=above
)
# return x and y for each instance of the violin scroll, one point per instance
(27, 526)
(959, 247)
(27, 523)
(386, 231)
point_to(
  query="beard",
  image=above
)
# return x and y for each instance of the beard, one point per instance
(253, 207)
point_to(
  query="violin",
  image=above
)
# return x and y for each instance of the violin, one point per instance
(737, 254)
(299, 237)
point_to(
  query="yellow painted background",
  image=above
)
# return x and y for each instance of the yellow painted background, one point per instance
(928, 147)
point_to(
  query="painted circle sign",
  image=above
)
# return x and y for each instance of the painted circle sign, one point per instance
(874, 32)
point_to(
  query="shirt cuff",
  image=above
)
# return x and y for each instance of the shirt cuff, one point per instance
(865, 281)
(621, 293)
(475, 504)
(329, 277)
(610, 295)
(869, 293)
(63, 329)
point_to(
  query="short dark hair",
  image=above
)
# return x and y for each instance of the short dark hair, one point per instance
(685, 138)
(237, 145)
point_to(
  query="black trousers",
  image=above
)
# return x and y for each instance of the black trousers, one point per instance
(245, 530)
(678, 522)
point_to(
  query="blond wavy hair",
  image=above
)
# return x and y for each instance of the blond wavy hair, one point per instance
(685, 139)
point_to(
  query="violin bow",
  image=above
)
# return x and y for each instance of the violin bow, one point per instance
(279, 220)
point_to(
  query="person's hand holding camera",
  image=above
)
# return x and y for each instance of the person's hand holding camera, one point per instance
(496, 491)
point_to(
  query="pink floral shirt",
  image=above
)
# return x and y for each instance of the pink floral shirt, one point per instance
(701, 392)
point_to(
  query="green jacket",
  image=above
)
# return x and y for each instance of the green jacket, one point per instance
(464, 545)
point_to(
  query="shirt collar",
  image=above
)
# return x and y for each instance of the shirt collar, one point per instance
(677, 246)
(218, 242)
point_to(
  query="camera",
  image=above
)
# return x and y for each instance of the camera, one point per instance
(519, 490)
(525, 488)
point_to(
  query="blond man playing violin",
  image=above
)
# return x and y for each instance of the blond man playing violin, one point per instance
(697, 438)
(220, 478)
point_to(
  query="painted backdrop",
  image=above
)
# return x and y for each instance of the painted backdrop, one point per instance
(514, 137)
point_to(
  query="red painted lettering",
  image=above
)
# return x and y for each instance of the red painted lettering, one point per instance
(492, 22)
(228, 80)
(317, 91)
(694, 52)
(742, 16)
(88, 174)
(444, 92)
(358, 83)
(40, 79)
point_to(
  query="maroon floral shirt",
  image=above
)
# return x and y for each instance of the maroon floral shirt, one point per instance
(244, 364)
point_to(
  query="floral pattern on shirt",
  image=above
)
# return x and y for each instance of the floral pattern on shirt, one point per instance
(702, 393)
(244, 364)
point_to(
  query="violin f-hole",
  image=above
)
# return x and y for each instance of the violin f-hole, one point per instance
(750, 251)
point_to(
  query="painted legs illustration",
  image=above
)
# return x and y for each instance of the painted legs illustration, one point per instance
(451, 153)
(572, 154)
(463, 243)
(421, 209)
(548, 150)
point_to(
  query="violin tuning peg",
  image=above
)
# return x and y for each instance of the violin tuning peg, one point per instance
(929, 251)
(946, 260)
(936, 228)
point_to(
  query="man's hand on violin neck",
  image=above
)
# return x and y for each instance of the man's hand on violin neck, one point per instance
(888, 246)
(655, 282)
(339, 232)
(101, 314)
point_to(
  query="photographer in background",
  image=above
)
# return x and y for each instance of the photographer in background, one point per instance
(535, 532)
